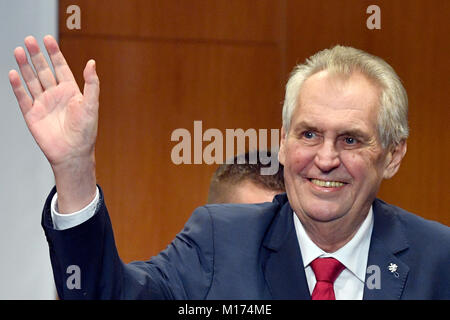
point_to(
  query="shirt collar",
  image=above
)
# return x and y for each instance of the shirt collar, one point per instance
(350, 255)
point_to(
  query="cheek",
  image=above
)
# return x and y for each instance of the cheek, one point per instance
(298, 157)
(362, 166)
(354, 165)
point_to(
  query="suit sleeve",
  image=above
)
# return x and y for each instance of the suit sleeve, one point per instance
(86, 264)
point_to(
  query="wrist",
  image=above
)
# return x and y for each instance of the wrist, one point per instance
(75, 183)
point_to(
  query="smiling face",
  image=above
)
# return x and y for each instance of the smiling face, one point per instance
(332, 155)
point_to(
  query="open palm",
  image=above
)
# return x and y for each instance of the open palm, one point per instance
(62, 120)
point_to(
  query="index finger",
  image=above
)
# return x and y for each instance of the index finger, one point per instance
(62, 70)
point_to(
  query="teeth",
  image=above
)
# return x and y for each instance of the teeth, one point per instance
(327, 184)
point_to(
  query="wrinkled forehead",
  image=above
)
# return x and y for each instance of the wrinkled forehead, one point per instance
(351, 83)
(348, 98)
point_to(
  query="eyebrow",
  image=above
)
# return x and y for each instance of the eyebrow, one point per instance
(303, 125)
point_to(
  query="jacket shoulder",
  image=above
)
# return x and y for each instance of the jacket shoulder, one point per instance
(249, 221)
(420, 232)
(423, 245)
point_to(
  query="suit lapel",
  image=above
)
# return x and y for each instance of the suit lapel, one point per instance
(386, 274)
(282, 260)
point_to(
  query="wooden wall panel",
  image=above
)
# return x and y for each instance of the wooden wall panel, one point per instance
(149, 88)
(164, 64)
(217, 20)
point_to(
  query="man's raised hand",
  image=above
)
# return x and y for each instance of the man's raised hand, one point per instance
(62, 120)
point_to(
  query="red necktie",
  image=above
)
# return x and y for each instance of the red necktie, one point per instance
(326, 271)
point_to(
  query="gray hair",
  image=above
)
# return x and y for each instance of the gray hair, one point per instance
(393, 112)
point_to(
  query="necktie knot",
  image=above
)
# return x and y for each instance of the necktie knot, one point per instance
(327, 269)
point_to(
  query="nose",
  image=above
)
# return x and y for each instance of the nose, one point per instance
(327, 157)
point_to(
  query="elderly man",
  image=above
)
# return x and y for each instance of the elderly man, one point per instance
(344, 131)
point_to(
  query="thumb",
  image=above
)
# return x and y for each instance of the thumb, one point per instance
(91, 84)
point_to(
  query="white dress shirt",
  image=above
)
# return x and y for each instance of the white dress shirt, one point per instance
(69, 220)
(349, 285)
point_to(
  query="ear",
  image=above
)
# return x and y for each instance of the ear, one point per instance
(394, 159)
(282, 151)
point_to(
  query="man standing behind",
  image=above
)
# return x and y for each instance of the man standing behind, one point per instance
(244, 181)
(344, 131)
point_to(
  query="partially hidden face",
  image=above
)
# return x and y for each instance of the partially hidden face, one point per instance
(332, 154)
(249, 192)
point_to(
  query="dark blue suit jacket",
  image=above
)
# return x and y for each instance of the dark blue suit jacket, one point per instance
(244, 252)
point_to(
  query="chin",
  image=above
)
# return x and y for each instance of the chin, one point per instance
(324, 211)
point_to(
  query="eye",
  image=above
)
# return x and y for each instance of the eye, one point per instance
(309, 135)
(350, 140)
